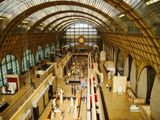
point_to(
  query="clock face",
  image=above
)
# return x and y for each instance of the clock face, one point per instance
(81, 39)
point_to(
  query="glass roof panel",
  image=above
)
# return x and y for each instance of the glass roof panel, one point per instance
(12, 8)
(77, 20)
(64, 21)
(51, 19)
(15, 7)
(44, 12)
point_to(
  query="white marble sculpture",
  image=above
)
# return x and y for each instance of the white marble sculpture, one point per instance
(54, 104)
(61, 95)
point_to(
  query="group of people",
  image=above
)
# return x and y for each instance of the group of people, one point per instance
(78, 69)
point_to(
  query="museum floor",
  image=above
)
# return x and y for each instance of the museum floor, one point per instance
(117, 104)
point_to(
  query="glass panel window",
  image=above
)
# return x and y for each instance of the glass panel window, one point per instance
(89, 32)
(39, 55)
(9, 66)
(28, 61)
(47, 51)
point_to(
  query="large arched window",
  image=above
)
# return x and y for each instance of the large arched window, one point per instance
(47, 51)
(39, 55)
(90, 33)
(28, 60)
(9, 65)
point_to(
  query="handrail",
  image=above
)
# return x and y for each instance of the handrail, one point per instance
(28, 103)
(62, 62)
(11, 110)
(78, 98)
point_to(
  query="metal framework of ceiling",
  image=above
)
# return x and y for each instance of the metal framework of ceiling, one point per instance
(112, 19)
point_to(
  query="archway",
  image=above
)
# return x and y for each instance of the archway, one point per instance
(145, 83)
(119, 64)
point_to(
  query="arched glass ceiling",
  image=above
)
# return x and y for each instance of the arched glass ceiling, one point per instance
(54, 22)
(44, 12)
(63, 22)
(12, 8)
(56, 17)
(20, 6)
